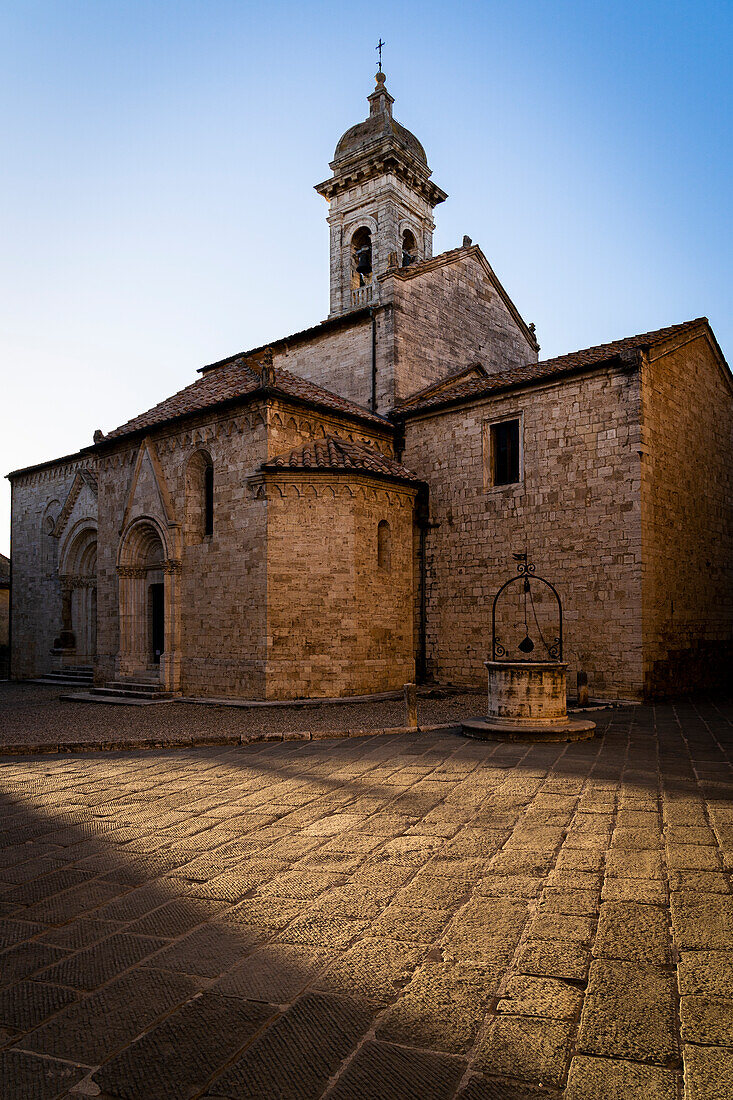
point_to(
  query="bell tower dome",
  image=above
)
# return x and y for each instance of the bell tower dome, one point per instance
(381, 202)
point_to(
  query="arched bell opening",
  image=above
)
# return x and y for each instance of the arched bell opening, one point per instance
(148, 599)
(409, 248)
(361, 258)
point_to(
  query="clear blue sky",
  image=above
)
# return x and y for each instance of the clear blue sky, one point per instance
(157, 209)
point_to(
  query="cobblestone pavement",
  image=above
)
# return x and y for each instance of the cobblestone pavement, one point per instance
(379, 918)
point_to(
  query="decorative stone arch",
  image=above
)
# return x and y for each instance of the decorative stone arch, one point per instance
(363, 224)
(364, 221)
(150, 604)
(78, 580)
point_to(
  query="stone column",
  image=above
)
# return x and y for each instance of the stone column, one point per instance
(133, 620)
(170, 661)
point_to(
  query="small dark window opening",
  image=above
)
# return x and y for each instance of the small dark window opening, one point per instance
(209, 500)
(505, 452)
(409, 248)
(157, 620)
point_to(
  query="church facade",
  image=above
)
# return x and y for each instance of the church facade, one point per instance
(331, 515)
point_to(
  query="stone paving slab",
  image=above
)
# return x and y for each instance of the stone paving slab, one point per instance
(377, 918)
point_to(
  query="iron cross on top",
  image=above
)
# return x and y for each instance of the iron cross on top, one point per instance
(378, 46)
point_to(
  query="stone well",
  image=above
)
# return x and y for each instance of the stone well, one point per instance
(528, 700)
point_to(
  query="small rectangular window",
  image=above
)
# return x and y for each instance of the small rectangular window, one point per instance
(505, 457)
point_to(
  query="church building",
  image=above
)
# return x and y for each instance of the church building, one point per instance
(332, 514)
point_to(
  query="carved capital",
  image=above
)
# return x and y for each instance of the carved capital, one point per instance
(131, 571)
(172, 567)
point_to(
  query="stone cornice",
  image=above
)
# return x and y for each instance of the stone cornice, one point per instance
(54, 468)
(346, 483)
(385, 161)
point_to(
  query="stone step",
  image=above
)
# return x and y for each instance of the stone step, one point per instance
(67, 676)
(132, 691)
(80, 673)
(134, 684)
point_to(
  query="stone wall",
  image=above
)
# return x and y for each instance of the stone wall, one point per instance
(426, 327)
(4, 633)
(448, 317)
(4, 615)
(338, 623)
(222, 577)
(687, 520)
(37, 499)
(576, 512)
(340, 361)
(289, 427)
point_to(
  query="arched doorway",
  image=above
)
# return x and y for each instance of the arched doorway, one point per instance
(148, 602)
(78, 578)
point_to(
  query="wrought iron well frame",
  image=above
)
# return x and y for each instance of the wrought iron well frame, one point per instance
(526, 572)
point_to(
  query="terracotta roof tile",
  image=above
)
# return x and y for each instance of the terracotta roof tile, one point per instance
(239, 378)
(538, 372)
(334, 453)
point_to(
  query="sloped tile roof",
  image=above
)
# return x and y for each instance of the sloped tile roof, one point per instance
(238, 379)
(537, 372)
(334, 453)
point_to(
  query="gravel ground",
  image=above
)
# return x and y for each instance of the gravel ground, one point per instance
(34, 714)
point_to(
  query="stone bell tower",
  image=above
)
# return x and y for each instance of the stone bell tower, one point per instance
(381, 203)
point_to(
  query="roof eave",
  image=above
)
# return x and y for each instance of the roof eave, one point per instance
(329, 471)
(261, 393)
(627, 363)
(51, 462)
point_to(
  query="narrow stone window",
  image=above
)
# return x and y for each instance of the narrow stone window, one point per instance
(209, 500)
(384, 546)
(361, 258)
(505, 453)
(199, 497)
(409, 248)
